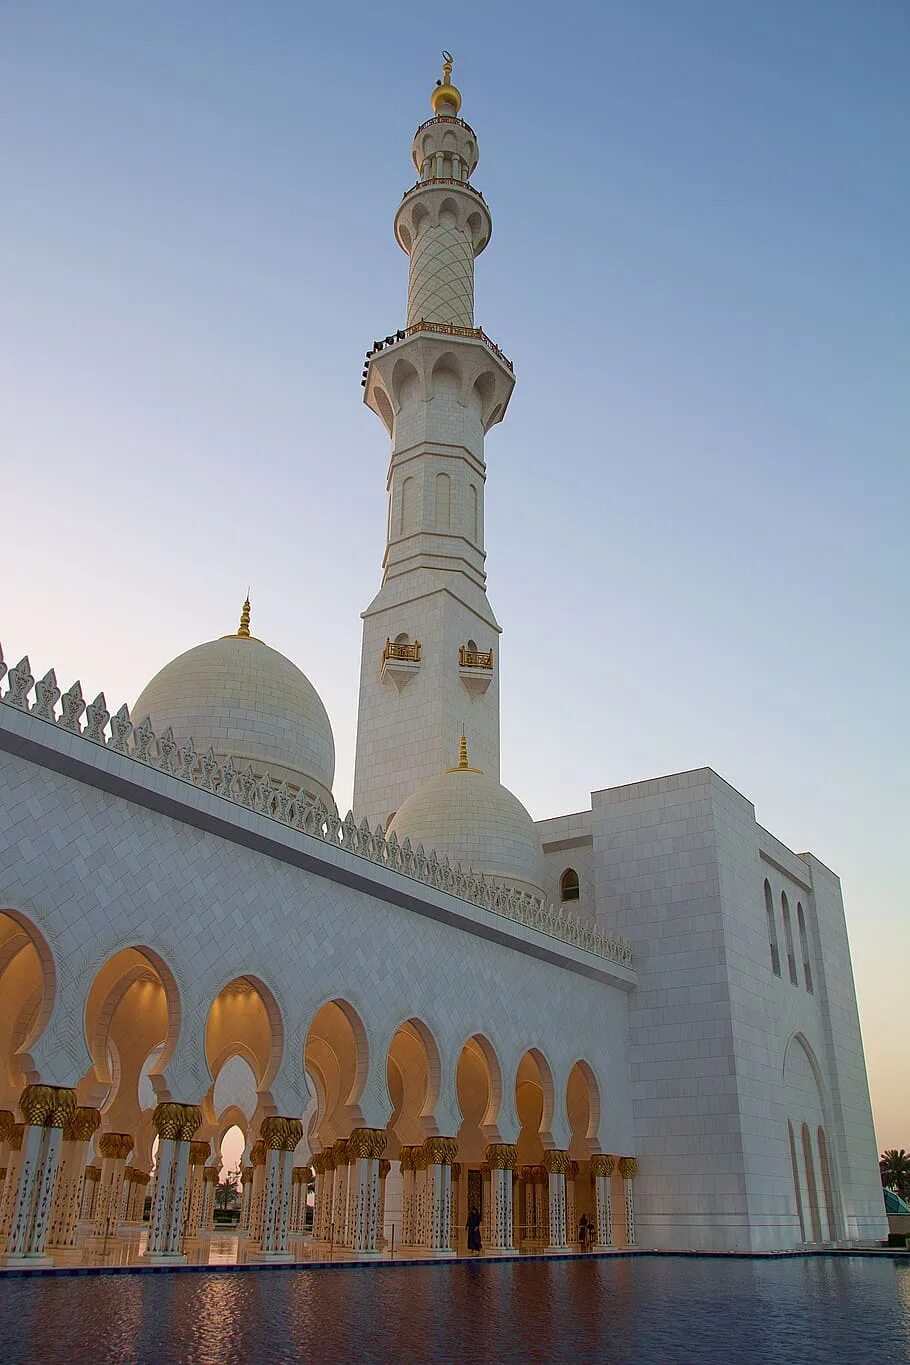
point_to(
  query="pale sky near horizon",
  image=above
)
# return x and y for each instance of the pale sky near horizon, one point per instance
(697, 505)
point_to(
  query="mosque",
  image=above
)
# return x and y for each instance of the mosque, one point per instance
(640, 1015)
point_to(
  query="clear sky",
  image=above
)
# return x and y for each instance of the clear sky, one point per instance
(697, 506)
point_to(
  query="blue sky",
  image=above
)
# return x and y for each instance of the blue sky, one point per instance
(696, 508)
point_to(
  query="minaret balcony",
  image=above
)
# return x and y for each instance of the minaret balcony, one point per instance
(400, 662)
(475, 668)
(392, 364)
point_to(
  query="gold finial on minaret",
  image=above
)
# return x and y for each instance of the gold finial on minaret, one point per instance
(446, 93)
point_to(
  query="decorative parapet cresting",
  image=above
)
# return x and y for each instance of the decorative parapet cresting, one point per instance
(262, 793)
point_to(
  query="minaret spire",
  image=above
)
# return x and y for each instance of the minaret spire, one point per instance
(438, 385)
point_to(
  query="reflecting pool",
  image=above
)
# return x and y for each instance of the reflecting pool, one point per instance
(645, 1310)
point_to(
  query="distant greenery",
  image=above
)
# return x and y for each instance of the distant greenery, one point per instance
(227, 1195)
(895, 1169)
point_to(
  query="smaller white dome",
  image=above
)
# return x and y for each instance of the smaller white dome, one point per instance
(473, 820)
(241, 698)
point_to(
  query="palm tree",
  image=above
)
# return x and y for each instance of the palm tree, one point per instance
(895, 1170)
(227, 1194)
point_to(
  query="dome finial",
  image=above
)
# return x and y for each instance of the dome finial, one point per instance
(446, 99)
(244, 629)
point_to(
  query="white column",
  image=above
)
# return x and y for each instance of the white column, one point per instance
(365, 1148)
(571, 1206)
(383, 1168)
(46, 1110)
(257, 1157)
(408, 1222)
(340, 1193)
(502, 1158)
(90, 1181)
(602, 1175)
(176, 1124)
(209, 1186)
(628, 1167)
(192, 1219)
(439, 1152)
(556, 1164)
(114, 1148)
(246, 1198)
(82, 1124)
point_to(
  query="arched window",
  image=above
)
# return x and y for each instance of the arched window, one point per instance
(408, 501)
(443, 502)
(772, 929)
(569, 889)
(788, 938)
(825, 1168)
(804, 946)
(794, 1167)
(473, 513)
(811, 1186)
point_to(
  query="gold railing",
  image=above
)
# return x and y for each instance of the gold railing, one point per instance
(444, 180)
(446, 118)
(450, 330)
(475, 658)
(394, 650)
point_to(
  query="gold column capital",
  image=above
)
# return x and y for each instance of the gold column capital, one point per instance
(200, 1153)
(628, 1167)
(384, 1168)
(47, 1106)
(556, 1161)
(7, 1123)
(115, 1145)
(246, 1175)
(280, 1134)
(177, 1122)
(301, 1175)
(340, 1152)
(367, 1142)
(257, 1153)
(406, 1157)
(440, 1151)
(92, 1173)
(82, 1124)
(502, 1156)
(601, 1164)
(210, 1175)
(319, 1162)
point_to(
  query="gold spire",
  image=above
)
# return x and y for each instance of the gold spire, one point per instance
(446, 94)
(463, 764)
(243, 630)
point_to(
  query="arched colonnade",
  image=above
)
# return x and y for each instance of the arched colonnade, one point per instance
(398, 1140)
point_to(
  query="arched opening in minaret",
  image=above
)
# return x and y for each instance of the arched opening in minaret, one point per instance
(443, 502)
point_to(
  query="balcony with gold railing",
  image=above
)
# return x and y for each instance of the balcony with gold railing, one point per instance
(448, 329)
(475, 658)
(408, 653)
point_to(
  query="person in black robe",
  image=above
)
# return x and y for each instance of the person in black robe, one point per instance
(473, 1227)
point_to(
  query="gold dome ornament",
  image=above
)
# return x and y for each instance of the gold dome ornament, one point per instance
(446, 98)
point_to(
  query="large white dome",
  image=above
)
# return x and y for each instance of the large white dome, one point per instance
(238, 696)
(472, 819)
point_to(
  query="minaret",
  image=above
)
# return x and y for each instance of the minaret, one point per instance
(430, 663)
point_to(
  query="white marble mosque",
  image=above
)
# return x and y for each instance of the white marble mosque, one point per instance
(640, 1015)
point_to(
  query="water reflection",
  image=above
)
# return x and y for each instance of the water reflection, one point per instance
(647, 1310)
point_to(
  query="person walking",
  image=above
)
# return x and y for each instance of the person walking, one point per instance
(473, 1229)
(583, 1232)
